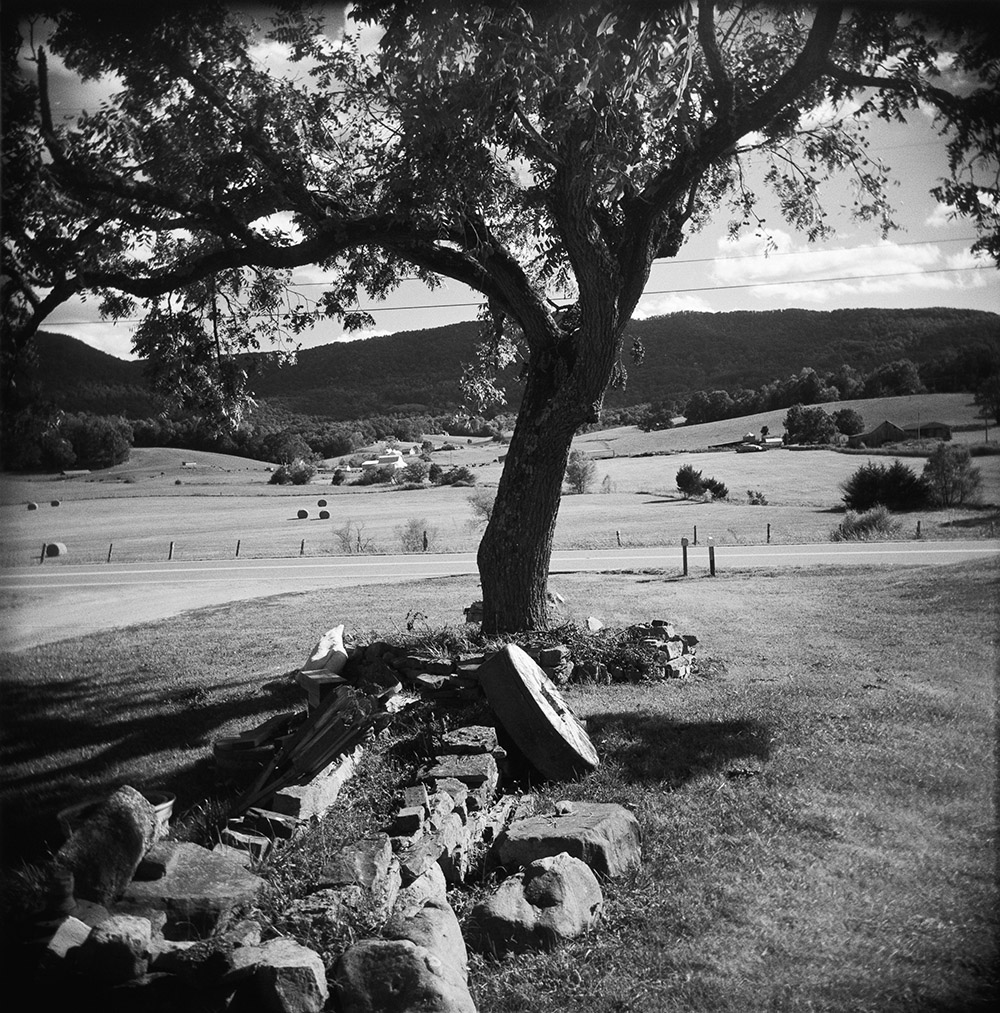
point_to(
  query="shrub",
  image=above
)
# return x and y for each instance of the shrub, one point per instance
(412, 535)
(580, 472)
(896, 487)
(338, 477)
(434, 473)
(870, 525)
(415, 472)
(950, 475)
(297, 472)
(376, 476)
(457, 476)
(482, 501)
(755, 497)
(716, 488)
(689, 482)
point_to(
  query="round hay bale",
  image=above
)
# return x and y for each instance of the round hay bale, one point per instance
(324, 515)
(55, 549)
(55, 502)
(32, 506)
(302, 515)
(321, 502)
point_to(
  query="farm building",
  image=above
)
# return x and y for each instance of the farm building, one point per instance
(884, 432)
(390, 459)
(928, 431)
(889, 432)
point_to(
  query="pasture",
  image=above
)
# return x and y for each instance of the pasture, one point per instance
(817, 804)
(623, 441)
(139, 508)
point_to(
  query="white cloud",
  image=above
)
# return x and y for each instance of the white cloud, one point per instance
(941, 217)
(658, 305)
(797, 275)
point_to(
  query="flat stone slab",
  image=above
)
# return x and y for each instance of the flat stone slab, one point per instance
(604, 835)
(472, 769)
(199, 893)
(471, 739)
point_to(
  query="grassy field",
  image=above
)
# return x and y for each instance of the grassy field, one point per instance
(953, 409)
(817, 806)
(139, 509)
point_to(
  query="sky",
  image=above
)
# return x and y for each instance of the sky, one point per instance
(925, 263)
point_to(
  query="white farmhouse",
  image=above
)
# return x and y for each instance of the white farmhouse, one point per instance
(390, 459)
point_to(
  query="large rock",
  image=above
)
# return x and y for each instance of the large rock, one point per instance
(397, 976)
(105, 850)
(553, 899)
(604, 835)
(116, 951)
(200, 892)
(288, 978)
(434, 926)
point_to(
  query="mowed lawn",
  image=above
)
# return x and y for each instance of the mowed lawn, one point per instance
(140, 510)
(818, 804)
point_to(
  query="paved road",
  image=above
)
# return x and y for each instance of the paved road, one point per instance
(55, 601)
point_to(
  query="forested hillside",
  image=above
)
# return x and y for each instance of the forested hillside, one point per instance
(416, 372)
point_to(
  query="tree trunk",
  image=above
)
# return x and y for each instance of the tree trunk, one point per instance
(516, 546)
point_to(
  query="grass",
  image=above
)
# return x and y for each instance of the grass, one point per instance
(215, 508)
(817, 807)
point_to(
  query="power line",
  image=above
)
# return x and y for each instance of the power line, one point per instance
(670, 261)
(663, 291)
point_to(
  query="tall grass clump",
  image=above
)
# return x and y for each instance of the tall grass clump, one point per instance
(867, 526)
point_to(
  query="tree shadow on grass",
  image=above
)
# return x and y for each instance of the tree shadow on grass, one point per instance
(654, 748)
(68, 739)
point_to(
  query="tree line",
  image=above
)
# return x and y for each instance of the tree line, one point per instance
(959, 369)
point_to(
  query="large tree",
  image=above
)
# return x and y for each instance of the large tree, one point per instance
(544, 154)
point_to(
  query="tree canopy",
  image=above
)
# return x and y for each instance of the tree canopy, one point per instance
(543, 154)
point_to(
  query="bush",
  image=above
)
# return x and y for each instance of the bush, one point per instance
(716, 488)
(871, 525)
(689, 482)
(482, 501)
(297, 472)
(457, 476)
(895, 487)
(412, 535)
(950, 476)
(580, 472)
(755, 497)
(376, 476)
(415, 472)
(338, 477)
(434, 474)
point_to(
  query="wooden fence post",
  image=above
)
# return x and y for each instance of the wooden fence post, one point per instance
(711, 557)
(170, 554)
(111, 548)
(696, 534)
(302, 548)
(684, 555)
(238, 540)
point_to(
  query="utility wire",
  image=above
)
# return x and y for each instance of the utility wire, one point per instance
(662, 291)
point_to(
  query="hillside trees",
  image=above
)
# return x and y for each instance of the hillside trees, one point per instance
(809, 425)
(530, 152)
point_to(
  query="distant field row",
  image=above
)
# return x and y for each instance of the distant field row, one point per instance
(641, 506)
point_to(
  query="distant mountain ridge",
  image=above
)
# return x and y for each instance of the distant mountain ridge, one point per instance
(416, 372)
